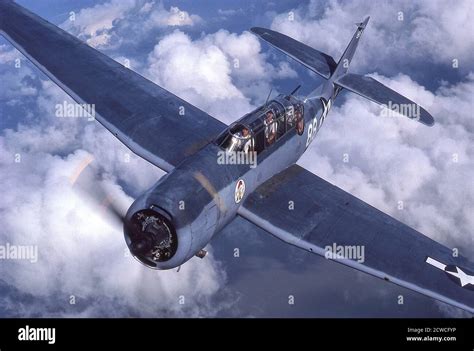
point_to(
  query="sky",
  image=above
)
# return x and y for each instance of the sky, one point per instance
(202, 51)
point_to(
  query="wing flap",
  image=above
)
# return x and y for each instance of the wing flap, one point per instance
(151, 121)
(323, 217)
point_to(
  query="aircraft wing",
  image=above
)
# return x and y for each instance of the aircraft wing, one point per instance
(304, 210)
(151, 121)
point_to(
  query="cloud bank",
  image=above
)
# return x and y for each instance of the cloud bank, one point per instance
(80, 253)
(399, 33)
(216, 71)
(108, 24)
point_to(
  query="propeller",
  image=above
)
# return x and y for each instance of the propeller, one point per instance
(101, 194)
(150, 234)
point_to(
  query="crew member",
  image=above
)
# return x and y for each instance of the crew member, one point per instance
(246, 140)
(270, 127)
(299, 121)
(241, 141)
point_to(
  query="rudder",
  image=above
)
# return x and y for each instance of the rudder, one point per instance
(346, 58)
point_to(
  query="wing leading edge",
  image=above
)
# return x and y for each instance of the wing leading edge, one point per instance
(151, 121)
(325, 217)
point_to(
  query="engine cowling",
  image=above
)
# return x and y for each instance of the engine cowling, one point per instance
(177, 217)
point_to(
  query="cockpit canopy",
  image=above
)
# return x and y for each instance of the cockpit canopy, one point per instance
(258, 130)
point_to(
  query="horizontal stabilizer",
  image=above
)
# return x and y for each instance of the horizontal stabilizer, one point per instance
(379, 93)
(318, 62)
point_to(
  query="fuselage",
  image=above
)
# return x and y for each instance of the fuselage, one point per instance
(203, 194)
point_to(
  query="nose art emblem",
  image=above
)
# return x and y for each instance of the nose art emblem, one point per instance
(239, 191)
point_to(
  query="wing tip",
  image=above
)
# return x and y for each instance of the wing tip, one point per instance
(258, 30)
(426, 118)
(429, 123)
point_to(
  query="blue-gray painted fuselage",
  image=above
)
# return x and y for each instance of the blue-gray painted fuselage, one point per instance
(198, 196)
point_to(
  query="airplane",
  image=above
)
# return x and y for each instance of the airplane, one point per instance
(199, 196)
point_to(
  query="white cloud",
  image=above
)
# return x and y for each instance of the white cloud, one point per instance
(80, 253)
(8, 54)
(14, 75)
(216, 71)
(100, 26)
(93, 24)
(230, 12)
(430, 30)
(174, 17)
(15, 85)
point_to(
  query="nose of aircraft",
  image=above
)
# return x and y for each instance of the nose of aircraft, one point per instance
(154, 233)
(150, 236)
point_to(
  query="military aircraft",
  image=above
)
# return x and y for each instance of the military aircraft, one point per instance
(203, 192)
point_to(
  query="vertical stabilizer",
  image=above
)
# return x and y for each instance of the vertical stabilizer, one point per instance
(346, 58)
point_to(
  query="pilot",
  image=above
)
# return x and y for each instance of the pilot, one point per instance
(290, 116)
(246, 140)
(299, 122)
(270, 127)
(241, 141)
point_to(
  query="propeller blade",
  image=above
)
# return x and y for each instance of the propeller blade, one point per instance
(103, 195)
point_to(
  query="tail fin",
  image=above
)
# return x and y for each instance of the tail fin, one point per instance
(346, 58)
(325, 66)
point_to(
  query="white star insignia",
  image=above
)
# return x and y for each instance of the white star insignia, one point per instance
(463, 277)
